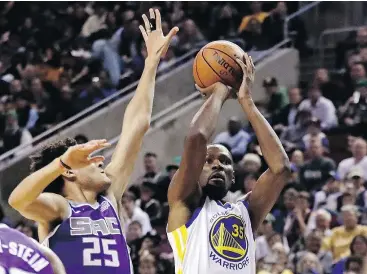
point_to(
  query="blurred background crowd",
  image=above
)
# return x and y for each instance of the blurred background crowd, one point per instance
(63, 57)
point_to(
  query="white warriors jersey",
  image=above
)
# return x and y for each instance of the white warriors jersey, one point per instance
(218, 239)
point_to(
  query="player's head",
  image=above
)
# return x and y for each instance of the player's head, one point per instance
(217, 175)
(90, 178)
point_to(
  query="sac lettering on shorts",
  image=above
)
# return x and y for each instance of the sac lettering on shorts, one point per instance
(82, 226)
(228, 241)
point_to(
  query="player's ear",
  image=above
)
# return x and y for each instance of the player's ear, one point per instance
(69, 175)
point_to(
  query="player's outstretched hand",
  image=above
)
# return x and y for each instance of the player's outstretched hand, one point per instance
(156, 43)
(78, 156)
(248, 69)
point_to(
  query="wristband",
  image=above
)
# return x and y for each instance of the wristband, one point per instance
(65, 166)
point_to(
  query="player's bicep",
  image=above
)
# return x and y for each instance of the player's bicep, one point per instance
(46, 208)
(186, 180)
(264, 195)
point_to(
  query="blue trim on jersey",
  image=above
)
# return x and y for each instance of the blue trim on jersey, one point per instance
(245, 203)
(193, 217)
(226, 205)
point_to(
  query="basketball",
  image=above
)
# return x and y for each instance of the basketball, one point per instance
(216, 62)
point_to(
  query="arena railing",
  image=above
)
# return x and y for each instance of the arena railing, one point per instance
(332, 32)
(25, 149)
(128, 89)
(298, 13)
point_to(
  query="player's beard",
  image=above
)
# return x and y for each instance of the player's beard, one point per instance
(215, 192)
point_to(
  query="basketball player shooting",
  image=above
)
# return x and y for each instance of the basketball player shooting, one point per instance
(22, 255)
(207, 235)
(73, 199)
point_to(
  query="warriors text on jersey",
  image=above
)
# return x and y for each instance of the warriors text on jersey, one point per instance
(90, 241)
(218, 239)
(20, 254)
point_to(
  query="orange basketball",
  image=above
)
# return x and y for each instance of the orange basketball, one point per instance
(216, 62)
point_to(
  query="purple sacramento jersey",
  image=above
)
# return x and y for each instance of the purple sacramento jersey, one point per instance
(90, 241)
(20, 254)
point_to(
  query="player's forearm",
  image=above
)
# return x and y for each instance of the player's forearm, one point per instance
(204, 122)
(139, 110)
(32, 186)
(270, 145)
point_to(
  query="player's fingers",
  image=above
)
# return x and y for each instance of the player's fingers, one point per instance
(146, 23)
(202, 90)
(158, 20)
(241, 64)
(172, 33)
(144, 33)
(96, 159)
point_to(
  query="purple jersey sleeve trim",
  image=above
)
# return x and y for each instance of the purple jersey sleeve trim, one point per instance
(245, 203)
(194, 216)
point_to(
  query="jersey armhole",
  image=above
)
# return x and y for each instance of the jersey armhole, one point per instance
(193, 217)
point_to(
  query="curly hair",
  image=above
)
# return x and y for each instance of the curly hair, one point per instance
(46, 156)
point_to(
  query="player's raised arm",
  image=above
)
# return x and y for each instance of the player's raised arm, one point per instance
(138, 113)
(270, 184)
(28, 197)
(186, 180)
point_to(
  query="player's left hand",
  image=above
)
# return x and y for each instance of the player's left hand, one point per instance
(248, 69)
(156, 43)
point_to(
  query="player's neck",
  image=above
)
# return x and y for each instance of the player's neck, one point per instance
(82, 196)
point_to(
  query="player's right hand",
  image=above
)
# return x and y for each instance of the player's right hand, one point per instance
(156, 43)
(78, 156)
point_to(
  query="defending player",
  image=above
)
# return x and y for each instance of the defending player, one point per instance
(75, 201)
(22, 255)
(207, 235)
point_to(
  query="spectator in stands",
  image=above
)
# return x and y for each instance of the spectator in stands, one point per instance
(297, 158)
(314, 132)
(235, 138)
(225, 25)
(256, 14)
(312, 245)
(353, 265)
(287, 115)
(189, 37)
(134, 232)
(152, 173)
(359, 159)
(309, 263)
(355, 176)
(135, 213)
(277, 98)
(95, 22)
(341, 237)
(290, 197)
(319, 221)
(27, 230)
(328, 195)
(358, 248)
(27, 112)
(148, 204)
(357, 73)
(296, 223)
(249, 182)
(320, 107)
(328, 88)
(292, 136)
(163, 183)
(355, 110)
(14, 135)
(316, 171)
(67, 106)
(250, 163)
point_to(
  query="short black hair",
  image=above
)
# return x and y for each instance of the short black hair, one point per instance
(150, 154)
(353, 259)
(49, 153)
